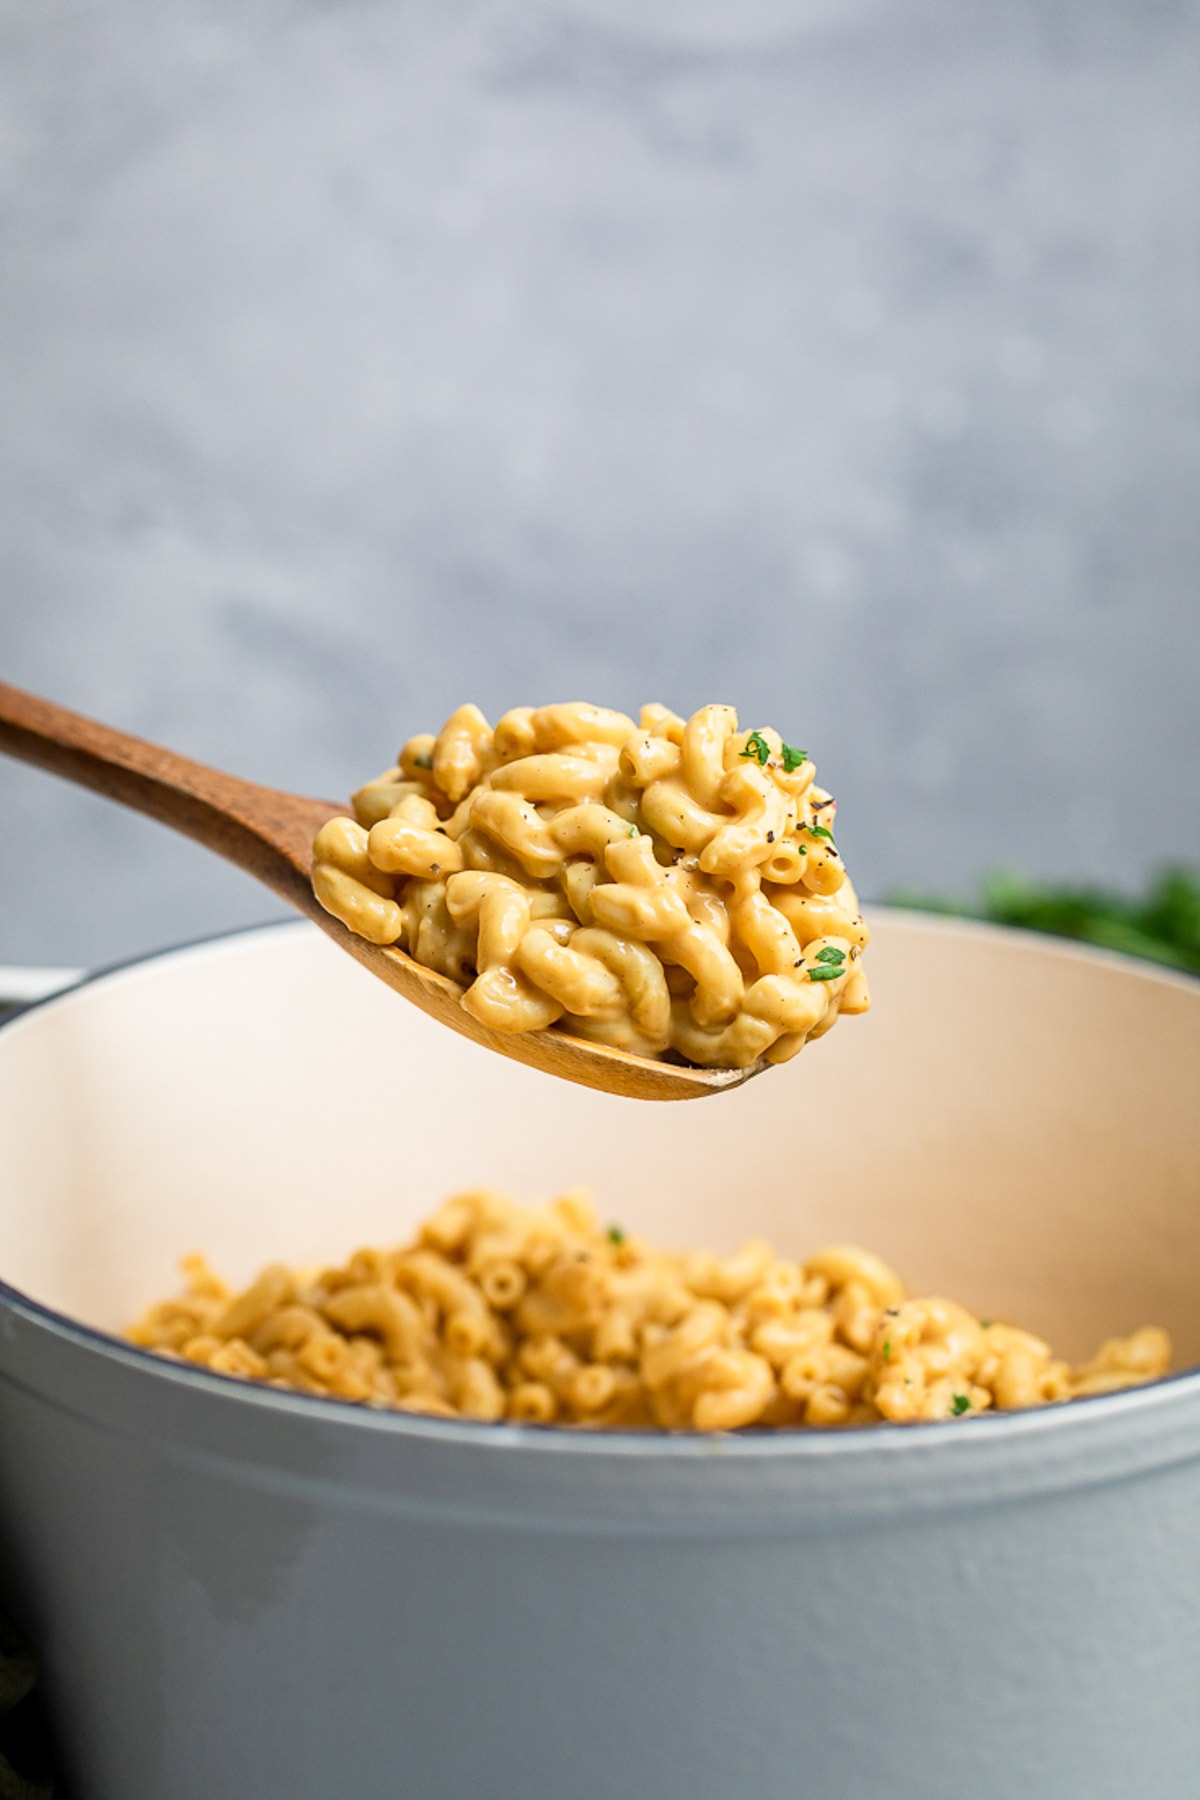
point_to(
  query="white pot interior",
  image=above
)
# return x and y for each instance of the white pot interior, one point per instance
(1013, 1125)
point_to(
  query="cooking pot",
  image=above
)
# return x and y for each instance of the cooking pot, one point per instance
(244, 1593)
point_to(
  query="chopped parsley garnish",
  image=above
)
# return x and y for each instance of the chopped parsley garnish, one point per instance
(615, 1235)
(424, 761)
(986, 1324)
(634, 832)
(887, 1350)
(959, 1405)
(828, 964)
(757, 746)
(821, 831)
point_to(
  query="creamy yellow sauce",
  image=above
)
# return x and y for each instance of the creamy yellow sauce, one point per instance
(542, 1314)
(670, 886)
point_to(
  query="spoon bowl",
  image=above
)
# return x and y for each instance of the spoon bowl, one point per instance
(268, 833)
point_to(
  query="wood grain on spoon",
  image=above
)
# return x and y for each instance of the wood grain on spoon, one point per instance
(269, 834)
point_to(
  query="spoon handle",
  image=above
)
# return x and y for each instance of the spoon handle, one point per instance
(263, 830)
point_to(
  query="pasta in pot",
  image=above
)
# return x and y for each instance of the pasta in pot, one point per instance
(540, 1315)
(671, 887)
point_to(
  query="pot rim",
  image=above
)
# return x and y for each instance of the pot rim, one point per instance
(1177, 1391)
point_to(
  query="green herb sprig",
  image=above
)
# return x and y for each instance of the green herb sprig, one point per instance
(1161, 924)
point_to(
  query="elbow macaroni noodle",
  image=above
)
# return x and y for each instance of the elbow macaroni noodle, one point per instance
(536, 1314)
(667, 887)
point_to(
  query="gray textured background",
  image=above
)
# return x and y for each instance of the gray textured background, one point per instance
(833, 357)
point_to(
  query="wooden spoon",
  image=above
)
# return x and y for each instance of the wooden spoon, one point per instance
(269, 834)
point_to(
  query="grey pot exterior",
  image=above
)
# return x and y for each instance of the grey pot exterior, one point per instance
(246, 1596)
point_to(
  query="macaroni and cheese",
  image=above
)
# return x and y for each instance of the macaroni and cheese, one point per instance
(539, 1314)
(670, 887)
